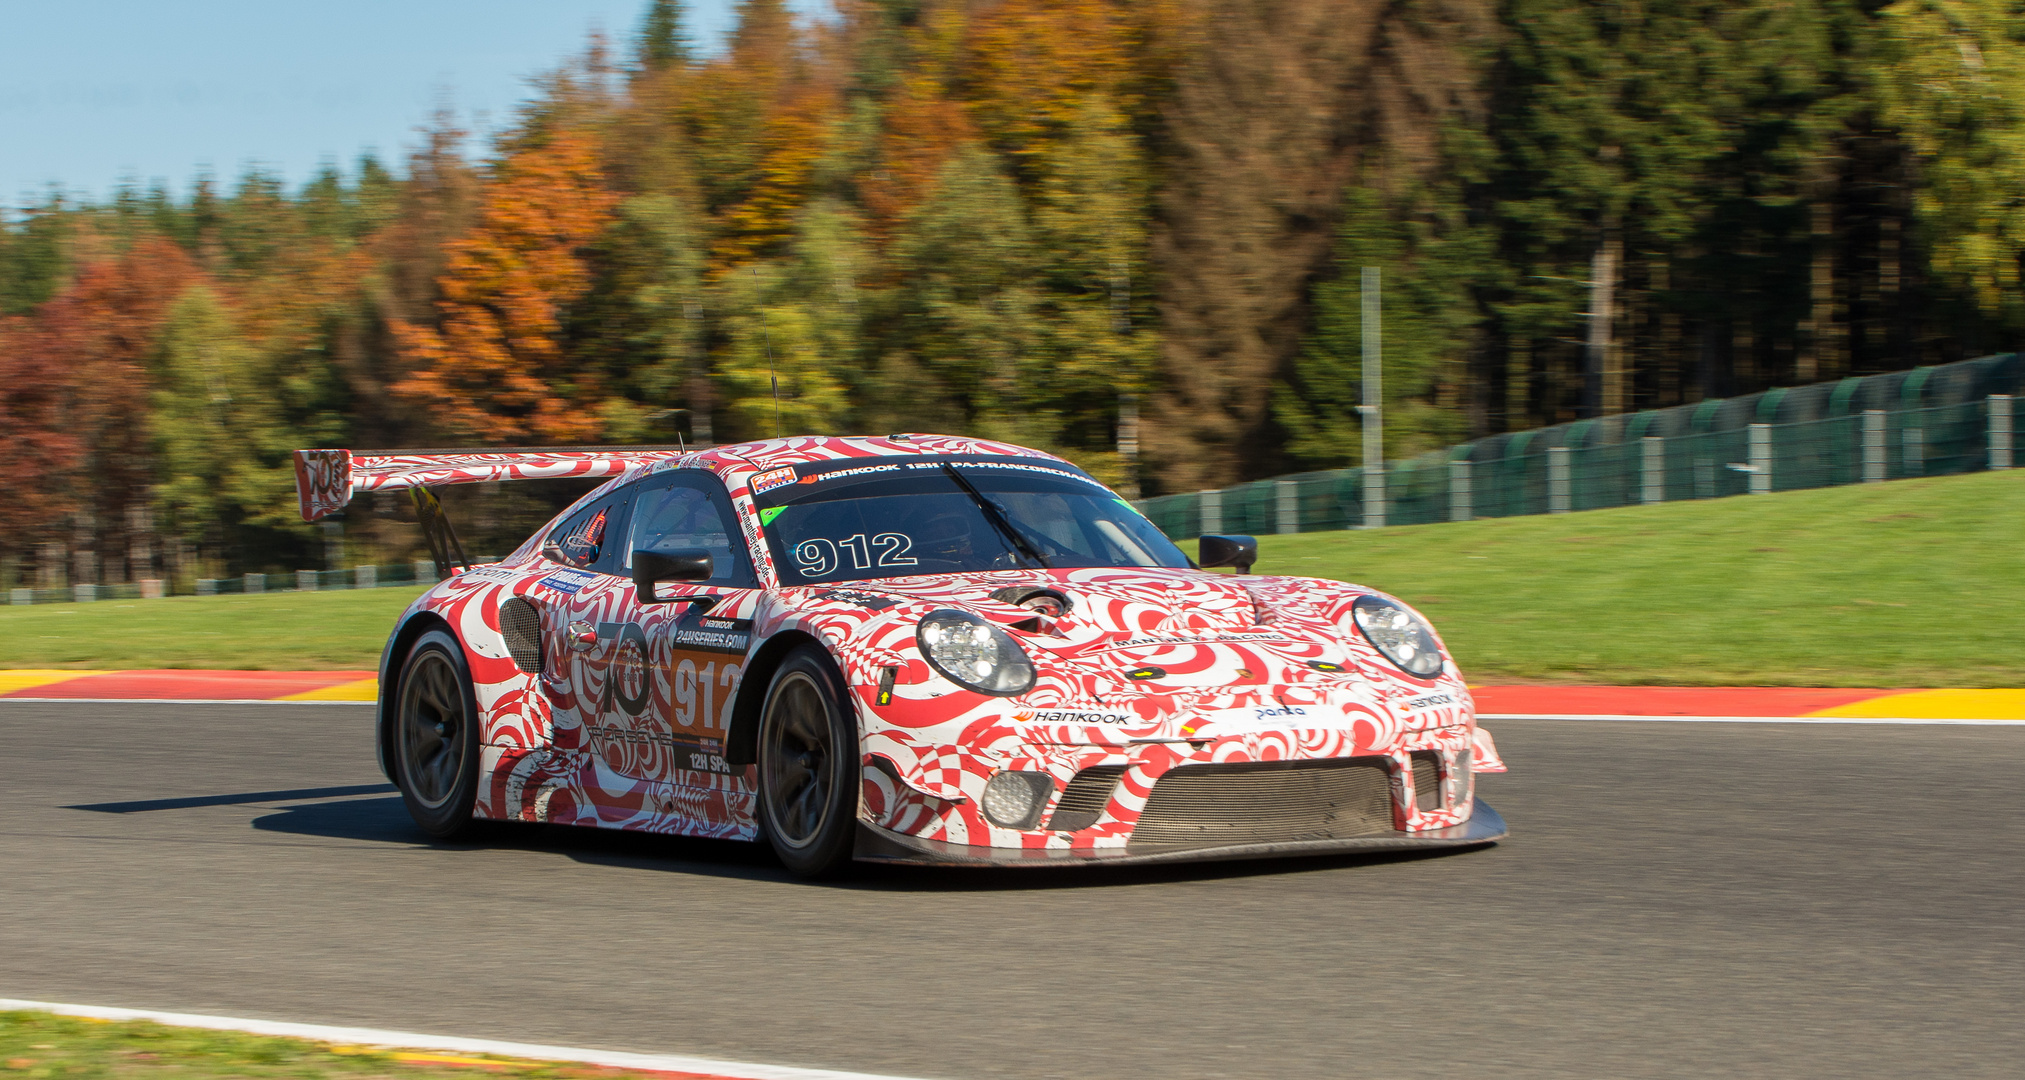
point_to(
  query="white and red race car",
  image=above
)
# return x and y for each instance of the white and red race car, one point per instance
(915, 648)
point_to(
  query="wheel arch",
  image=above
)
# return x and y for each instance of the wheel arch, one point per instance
(741, 743)
(391, 661)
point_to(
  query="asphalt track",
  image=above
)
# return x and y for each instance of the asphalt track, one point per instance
(1676, 899)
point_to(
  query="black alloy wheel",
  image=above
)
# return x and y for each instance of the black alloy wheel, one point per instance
(436, 736)
(808, 766)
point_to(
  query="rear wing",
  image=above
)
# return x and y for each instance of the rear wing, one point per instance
(325, 480)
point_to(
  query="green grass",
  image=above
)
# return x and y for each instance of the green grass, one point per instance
(38, 1046)
(264, 631)
(1910, 583)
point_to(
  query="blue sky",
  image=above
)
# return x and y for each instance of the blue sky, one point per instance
(96, 91)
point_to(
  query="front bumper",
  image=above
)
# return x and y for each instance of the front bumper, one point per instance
(876, 844)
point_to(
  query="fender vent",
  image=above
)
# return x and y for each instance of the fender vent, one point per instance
(1427, 779)
(1084, 800)
(520, 625)
(1267, 802)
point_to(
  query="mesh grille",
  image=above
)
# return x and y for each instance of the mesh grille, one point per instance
(1083, 801)
(1267, 802)
(520, 625)
(1427, 779)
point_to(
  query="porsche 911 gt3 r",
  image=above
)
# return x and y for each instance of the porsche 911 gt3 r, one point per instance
(916, 648)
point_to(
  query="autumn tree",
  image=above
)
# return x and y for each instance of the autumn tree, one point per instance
(493, 370)
(98, 333)
(35, 438)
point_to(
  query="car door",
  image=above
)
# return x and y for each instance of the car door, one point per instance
(698, 647)
(605, 675)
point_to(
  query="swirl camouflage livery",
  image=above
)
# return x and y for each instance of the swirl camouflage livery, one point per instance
(916, 648)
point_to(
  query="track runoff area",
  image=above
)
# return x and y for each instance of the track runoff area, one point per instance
(1706, 704)
(1824, 888)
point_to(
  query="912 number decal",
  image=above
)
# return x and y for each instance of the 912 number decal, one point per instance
(820, 557)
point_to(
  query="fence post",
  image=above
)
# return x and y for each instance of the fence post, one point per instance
(84, 594)
(256, 583)
(366, 576)
(21, 596)
(1761, 459)
(1212, 511)
(1286, 506)
(1652, 470)
(1558, 486)
(1915, 440)
(1873, 446)
(2000, 431)
(1460, 502)
(305, 581)
(425, 570)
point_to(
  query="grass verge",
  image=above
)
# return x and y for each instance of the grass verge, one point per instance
(39, 1046)
(289, 631)
(1909, 583)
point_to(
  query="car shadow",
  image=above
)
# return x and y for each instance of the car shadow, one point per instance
(385, 820)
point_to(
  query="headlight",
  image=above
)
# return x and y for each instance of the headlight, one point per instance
(1399, 634)
(974, 653)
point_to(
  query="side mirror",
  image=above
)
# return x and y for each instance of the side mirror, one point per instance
(652, 567)
(1238, 551)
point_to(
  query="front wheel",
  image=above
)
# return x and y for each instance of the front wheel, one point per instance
(436, 736)
(808, 765)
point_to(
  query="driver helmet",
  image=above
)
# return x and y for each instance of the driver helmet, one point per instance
(944, 536)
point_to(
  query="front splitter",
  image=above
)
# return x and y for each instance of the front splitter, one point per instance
(876, 844)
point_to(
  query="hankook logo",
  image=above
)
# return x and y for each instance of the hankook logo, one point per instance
(1058, 717)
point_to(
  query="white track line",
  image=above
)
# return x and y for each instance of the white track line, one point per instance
(351, 1036)
(1965, 722)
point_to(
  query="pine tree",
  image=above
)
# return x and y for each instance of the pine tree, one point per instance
(966, 338)
(1432, 264)
(664, 41)
(221, 435)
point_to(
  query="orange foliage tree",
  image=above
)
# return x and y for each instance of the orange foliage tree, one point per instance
(494, 369)
(74, 396)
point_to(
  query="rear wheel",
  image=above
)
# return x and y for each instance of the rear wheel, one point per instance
(436, 736)
(808, 766)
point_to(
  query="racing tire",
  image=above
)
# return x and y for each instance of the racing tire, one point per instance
(436, 736)
(808, 766)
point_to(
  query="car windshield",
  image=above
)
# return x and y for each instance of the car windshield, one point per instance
(896, 517)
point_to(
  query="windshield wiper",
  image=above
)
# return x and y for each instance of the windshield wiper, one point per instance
(996, 517)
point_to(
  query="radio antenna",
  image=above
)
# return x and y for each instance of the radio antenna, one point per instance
(766, 336)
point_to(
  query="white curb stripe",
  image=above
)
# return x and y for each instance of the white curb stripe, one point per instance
(618, 1059)
(1965, 722)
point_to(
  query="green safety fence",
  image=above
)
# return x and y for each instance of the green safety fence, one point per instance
(1597, 465)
